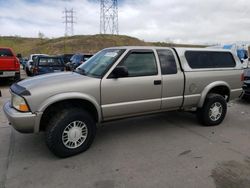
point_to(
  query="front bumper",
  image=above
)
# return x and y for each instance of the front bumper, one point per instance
(22, 122)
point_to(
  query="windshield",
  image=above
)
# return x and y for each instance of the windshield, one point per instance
(97, 65)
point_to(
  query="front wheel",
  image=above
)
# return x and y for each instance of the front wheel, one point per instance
(70, 132)
(213, 111)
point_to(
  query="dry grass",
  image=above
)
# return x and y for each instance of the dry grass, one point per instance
(81, 43)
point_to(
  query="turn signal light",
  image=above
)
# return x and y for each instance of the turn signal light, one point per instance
(23, 108)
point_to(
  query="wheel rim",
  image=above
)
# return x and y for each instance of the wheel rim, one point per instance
(215, 111)
(75, 134)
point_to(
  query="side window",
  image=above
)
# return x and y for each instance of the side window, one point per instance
(5, 53)
(206, 59)
(167, 60)
(49, 62)
(140, 64)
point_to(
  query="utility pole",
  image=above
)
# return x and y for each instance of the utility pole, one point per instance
(109, 17)
(69, 20)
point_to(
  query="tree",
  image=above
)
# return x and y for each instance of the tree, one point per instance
(41, 35)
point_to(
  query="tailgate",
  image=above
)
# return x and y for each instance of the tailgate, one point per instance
(7, 64)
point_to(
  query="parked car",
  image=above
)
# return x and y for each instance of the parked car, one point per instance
(66, 58)
(76, 60)
(124, 82)
(47, 64)
(22, 60)
(9, 64)
(29, 63)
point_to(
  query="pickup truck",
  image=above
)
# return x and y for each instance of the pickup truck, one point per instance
(122, 82)
(9, 64)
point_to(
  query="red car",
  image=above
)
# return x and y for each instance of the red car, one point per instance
(9, 64)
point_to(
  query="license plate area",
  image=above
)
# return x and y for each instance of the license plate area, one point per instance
(8, 73)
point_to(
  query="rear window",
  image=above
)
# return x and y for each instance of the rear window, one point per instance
(5, 53)
(203, 59)
(50, 62)
(167, 60)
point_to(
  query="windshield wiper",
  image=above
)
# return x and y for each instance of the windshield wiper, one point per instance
(80, 71)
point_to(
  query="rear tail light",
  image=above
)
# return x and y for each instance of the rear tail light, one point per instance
(242, 77)
(35, 70)
(17, 64)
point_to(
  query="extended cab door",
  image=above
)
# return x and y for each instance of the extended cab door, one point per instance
(138, 92)
(172, 79)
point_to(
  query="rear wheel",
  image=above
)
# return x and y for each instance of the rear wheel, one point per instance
(213, 111)
(27, 71)
(70, 132)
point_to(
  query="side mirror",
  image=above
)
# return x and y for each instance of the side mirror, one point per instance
(31, 63)
(119, 72)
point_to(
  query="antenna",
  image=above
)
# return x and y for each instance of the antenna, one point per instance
(69, 17)
(109, 17)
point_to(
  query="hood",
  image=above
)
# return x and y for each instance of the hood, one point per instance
(38, 89)
(50, 79)
(54, 83)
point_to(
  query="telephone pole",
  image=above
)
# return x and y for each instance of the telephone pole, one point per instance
(69, 20)
(109, 17)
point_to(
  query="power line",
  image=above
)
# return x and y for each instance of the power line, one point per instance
(69, 20)
(109, 17)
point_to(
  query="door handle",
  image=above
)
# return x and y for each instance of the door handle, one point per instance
(157, 82)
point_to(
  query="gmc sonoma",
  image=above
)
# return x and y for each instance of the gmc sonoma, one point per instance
(122, 82)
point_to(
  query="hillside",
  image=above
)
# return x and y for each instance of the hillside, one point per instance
(81, 43)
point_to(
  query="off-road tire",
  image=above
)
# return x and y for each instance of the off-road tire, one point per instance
(59, 122)
(203, 113)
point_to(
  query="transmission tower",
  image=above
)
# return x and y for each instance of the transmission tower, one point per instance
(69, 20)
(109, 17)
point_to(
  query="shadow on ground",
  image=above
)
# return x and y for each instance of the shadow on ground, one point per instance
(5, 82)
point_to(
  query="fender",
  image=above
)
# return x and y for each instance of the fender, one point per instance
(70, 95)
(208, 88)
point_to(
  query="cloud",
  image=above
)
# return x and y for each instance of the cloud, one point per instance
(192, 21)
(188, 21)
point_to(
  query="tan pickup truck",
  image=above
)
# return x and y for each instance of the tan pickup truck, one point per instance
(123, 82)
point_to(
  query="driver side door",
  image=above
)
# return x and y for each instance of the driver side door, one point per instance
(137, 93)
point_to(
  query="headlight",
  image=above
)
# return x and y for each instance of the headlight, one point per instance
(19, 103)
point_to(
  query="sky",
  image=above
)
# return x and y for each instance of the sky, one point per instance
(180, 21)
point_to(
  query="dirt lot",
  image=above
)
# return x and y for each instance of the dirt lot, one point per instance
(166, 150)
